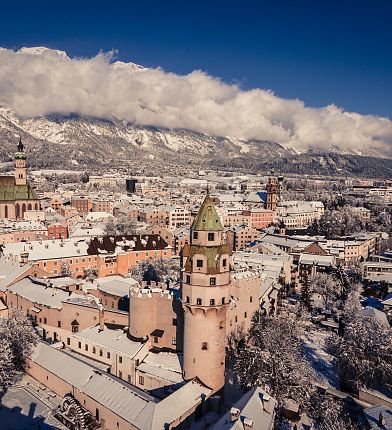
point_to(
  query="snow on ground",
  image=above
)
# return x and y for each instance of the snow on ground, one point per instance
(321, 361)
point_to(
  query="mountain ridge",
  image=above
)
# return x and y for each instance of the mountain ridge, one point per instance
(87, 143)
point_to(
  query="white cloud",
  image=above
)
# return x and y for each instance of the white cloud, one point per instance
(50, 82)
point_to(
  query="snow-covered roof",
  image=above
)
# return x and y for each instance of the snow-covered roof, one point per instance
(376, 314)
(39, 293)
(164, 365)
(115, 285)
(9, 271)
(252, 408)
(372, 415)
(115, 340)
(126, 401)
(318, 260)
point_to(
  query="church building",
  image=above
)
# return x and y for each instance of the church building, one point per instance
(16, 194)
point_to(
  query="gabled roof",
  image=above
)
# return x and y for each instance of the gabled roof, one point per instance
(133, 405)
(251, 407)
(207, 218)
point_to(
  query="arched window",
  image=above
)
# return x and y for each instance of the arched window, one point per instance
(23, 209)
(199, 302)
(36, 206)
(29, 207)
(6, 211)
(17, 210)
(187, 299)
(212, 302)
(223, 300)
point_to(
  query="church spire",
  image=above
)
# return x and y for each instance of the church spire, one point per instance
(20, 145)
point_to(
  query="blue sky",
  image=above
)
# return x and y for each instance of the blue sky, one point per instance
(319, 51)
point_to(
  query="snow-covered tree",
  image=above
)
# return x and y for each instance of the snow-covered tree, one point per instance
(162, 269)
(65, 269)
(273, 358)
(121, 226)
(328, 413)
(364, 351)
(306, 293)
(90, 273)
(327, 287)
(17, 337)
(340, 221)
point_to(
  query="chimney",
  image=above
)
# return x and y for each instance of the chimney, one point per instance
(235, 414)
(266, 402)
(381, 420)
(101, 318)
(248, 424)
(24, 258)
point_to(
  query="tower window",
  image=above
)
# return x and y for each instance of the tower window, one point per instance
(204, 345)
(211, 236)
(199, 263)
(212, 302)
(224, 262)
(212, 281)
(199, 302)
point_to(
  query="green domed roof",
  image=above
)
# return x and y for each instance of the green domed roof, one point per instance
(207, 219)
(20, 156)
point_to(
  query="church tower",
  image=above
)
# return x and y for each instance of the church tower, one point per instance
(272, 188)
(20, 165)
(205, 298)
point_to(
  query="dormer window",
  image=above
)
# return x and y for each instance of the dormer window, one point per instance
(211, 237)
(224, 262)
(199, 263)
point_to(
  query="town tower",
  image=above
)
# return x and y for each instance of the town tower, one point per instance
(272, 187)
(20, 165)
(205, 296)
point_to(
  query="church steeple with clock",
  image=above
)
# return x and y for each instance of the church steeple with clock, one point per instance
(16, 194)
(205, 298)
